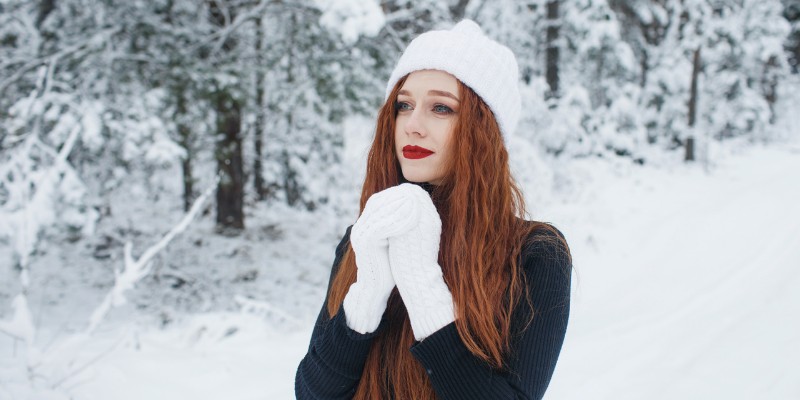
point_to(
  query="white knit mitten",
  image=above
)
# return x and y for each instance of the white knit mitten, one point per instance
(386, 213)
(413, 257)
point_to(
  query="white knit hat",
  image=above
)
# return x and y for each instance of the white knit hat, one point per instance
(487, 67)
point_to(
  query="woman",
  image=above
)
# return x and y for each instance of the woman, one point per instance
(481, 303)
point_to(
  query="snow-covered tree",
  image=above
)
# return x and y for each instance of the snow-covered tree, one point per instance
(791, 11)
(743, 62)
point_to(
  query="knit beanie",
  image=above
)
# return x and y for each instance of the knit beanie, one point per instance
(486, 66)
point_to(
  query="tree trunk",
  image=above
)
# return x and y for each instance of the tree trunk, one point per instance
(769, 85)
(690, 156)
(188, 180)
(185, 140)
(551, 73)
(230, 190)
(791, 11)
(230, 165)
(258, 128)
(693, 98)
(645, 68)
(290, 184)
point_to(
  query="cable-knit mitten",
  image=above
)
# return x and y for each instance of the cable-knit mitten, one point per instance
(413, 257)
(388, 212)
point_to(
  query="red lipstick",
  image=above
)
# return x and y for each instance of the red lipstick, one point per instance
(415, 152)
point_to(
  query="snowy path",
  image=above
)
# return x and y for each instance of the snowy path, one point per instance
(697, 298)
(687, 287)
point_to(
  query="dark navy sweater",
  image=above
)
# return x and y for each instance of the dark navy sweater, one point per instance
(335, 360)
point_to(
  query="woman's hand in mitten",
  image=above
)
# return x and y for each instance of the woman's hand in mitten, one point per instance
(413, 256)
(388, 212)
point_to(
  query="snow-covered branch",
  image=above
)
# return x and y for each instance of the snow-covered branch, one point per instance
(48, 59)
(43, 194)
(136, 269)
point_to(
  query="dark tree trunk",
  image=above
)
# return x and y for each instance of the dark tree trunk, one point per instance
(230, 190)
(791, 11)
(769, 85)
(551, 64)
(690, 156)
(188, 180)
(230, 165)
(290, 185)
(645, 68)
(258, 128)
(185, 140)
(693, 98)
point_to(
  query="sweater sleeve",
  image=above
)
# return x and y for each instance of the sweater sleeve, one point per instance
(332, 367)
(455, 373)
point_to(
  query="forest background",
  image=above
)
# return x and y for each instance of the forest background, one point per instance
(167, 158)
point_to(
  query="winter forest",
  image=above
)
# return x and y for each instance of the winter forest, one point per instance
(175, 176)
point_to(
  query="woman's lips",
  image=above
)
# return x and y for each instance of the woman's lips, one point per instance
(415, 152)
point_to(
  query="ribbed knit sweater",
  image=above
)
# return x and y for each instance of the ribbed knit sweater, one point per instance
(336, 354)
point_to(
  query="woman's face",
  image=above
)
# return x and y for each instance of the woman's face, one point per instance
(427, 109)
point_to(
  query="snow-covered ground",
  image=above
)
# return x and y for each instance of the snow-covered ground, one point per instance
(686, 286)
(689, 287)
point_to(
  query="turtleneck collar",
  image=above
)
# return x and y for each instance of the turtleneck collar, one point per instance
(427, 186)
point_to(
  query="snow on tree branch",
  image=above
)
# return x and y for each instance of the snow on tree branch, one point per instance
(352, 18)
(93, 41)
(136, 269)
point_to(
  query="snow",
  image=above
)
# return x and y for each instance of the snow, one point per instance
(685, 287)
(352, 18)
(20, 325)
(92, 126)
(691, 299)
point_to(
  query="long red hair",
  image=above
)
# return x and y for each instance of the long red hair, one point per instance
(483, 232)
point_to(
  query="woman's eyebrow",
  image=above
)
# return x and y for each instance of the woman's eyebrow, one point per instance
(443, 93)
(432, 92)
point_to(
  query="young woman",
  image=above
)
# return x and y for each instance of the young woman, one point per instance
(441, 289)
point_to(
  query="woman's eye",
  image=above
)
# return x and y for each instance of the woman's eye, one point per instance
(442, 109)
(401, 106)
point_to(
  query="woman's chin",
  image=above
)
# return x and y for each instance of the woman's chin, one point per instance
(416, 174)
(416, 178)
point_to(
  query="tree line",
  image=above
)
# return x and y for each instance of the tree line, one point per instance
(254, 93)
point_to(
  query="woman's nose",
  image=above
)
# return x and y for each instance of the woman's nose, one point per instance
(414, 123)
